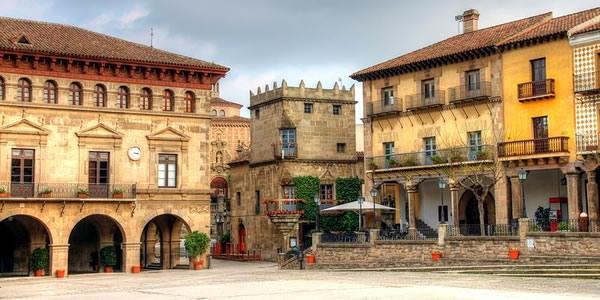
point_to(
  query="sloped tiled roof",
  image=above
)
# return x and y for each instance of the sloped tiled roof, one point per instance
(218, 100)
(58, 39)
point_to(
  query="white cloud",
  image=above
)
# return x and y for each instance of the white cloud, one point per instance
(128, 19)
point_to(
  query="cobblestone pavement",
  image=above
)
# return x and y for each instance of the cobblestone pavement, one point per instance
(233, 280)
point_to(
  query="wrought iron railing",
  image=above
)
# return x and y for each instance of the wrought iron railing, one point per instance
(418, 101)
(398, 232)
(283, 207)
(68, 190)
(534, 146)
(484, 230)
(535, 89)
(571, 225)
(473, 91)
(345, 237)
(587, 82)
(285, 150)
(379, 107)
(437, 157)
(587, 142)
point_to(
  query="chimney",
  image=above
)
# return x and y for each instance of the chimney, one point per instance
(470, 19)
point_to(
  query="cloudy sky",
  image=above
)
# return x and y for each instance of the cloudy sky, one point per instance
(268, 40)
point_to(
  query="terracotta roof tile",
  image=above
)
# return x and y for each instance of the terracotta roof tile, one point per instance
(218, 100)
(59, 39)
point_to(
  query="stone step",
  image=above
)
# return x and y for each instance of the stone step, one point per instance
(464, 268)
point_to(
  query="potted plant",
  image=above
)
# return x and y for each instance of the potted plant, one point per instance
(436, 255)
(513, 253)
(196, 244)
(392, 163)
(481, 155)
(46, 193)
(39, 261)
(108, 258)
(60, 273)
(117, 193)
(372, 166)
(436, 159)
(455, 156)
(82, 193)
(410, 161)
(3, 193)
(310, 259)
(563, 226)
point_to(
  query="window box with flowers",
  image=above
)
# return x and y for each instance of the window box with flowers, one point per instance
(4, 193)
(46, 193)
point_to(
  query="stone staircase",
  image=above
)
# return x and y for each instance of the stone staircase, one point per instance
(424, 229)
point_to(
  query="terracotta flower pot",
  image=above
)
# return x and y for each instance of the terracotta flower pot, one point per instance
(38, 273)
(310, 259)
(82, 196)
(135, 269)
(4, 195)
(198, 264)
(108, 269)
(60, 273)
(513, 254)
(118, 196)
(47, 195)
(435, 256)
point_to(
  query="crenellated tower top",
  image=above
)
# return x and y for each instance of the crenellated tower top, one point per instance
(301, 92)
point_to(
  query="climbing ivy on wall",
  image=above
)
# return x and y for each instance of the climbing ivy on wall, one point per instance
(306, 188)
(348, 189)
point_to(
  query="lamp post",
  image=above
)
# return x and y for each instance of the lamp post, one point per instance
(442, 186)
(361, 199)
(374, 195)
(522, 176)
(318, 203)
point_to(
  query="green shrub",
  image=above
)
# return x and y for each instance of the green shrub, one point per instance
(2, 190)
(45, 191)
(118, 191)
(196, 243)
(39, 259)
(563, 226)
(108, 256)
(82, 191)
(225, 238)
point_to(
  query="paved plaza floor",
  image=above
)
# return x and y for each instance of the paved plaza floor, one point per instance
(235, 280)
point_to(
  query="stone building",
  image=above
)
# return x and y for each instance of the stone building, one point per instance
(296, 131)
(102, 142)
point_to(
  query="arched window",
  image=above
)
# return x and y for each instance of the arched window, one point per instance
(50, 92)
(168, 101)
(75, 97)
(190, 102)
(146, 99)
(100, 96)
(221, 113)
(1, 88)
(123, 97)
(214, 112)
(24, 90)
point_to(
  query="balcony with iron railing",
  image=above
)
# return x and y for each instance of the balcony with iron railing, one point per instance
(285, 150)
(423, 101)
(587, 83)
(382, 107)
(587, 142)
(530, 91)
(551, 145)
(470, 92)
(278, 207)
(68, 190)
(449, 156)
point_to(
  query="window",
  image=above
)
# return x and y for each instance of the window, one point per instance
(337, 109)
(538, 69)
(473, 80)
(24, 90)
(257, 203)
(167, 170)
(288, 142)
(388, 96)
(238, 198)
(341, 147)
(430, 148)
(50, 92)
(213, 112)
(388, 150)
(98, 174)
(540, 127)
(123, 97)
(22, 170)
(326, 192)
(288, 192)
(257, 114)
(475, 148)
(308, 108)
(146, 99)
(190, 102)
(1, 88)
(75, 94)
(221, 113)
(428, 88)
(100, 96)
(168, 100)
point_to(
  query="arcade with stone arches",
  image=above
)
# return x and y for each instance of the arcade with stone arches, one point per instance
(21, 234)
(162, 244)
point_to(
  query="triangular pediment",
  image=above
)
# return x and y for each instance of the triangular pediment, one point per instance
(168, 134)
(99, 131)
(327, 177)
(24, 127)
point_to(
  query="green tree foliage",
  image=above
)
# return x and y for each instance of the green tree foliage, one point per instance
(39, 259)
(196, 243)
(108, 256)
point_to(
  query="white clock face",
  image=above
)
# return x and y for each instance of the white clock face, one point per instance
(134, 153)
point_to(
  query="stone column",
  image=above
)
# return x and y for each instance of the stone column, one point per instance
(412, 222)
(59, 258)
(149, 257)
(316, 239)
(397, 203)
(131, 255)
(454, 202)
(517, 197)
(174, 251)
(523, 229)
(592, 195)
(373, 236)
(501, 200)
(165, 257)
(442, 232)
(573, 195)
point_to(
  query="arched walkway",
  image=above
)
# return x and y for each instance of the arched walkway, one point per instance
(162, 243)
(86, 240)
(469, 212)
(21, 234)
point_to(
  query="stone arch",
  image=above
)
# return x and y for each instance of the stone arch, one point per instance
(109, 213)
(466, 212)
(218, 185)
(162, 241)
(21, 234)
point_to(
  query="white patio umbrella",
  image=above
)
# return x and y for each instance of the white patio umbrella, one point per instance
(354, 206)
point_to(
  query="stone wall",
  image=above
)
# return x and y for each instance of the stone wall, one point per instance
(565, 244)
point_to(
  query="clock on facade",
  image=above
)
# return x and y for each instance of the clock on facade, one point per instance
(134, 153)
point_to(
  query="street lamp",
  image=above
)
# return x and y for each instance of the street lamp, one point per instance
(522, 176)
(374, 195)
(318, 203)
(361, 199)
(442, 186)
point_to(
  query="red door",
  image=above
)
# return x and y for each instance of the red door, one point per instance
(242, 238)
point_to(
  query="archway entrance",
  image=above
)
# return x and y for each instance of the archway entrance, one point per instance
(469, 212)
(21, 234)
(219, 186)
(163, 243)
(242, 237)
(87, 239)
